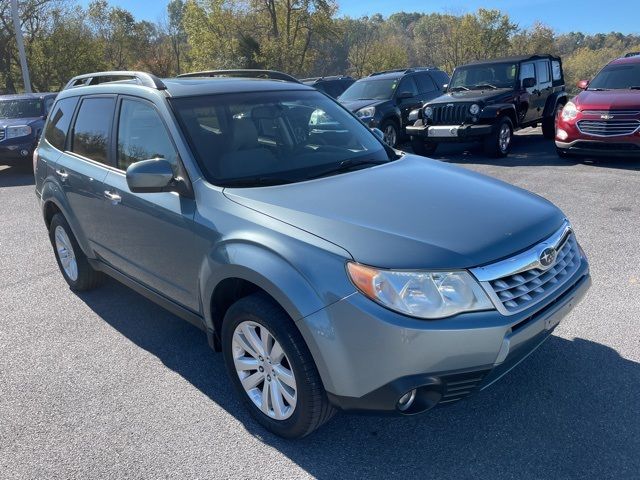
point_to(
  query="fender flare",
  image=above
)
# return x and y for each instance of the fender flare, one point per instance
(52, 193)
(490, 112)
(553, 101)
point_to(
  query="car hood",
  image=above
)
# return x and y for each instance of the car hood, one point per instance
(9, 122)
(413, 213)
(355, 105)
(608, 100)
(480, 96)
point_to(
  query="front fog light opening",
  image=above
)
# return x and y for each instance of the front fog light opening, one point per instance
(406, 400)
(561, 134)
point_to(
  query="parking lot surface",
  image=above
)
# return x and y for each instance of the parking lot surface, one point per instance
(108, 385)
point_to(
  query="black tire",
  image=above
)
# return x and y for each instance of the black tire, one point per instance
(493, 144)
(312, 408)
(387, 127)
(87, 278)
(422, 147)
(549, 124)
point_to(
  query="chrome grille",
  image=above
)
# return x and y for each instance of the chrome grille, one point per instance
(1, 134)
(450, 114)
(522, 290)
(620, 113)
(608, 128)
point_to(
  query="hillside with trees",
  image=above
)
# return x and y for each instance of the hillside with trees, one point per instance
(301, 37)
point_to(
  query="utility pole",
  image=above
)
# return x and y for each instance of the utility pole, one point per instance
(20, 42)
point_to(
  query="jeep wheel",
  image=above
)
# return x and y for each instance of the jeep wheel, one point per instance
(390, 131)
(71, 259)
(422, 147)
(272, 369)
(498, 143)
(549, 124)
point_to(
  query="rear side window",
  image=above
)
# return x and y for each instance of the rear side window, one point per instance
(92, 128)
(543, 71)
(59, 121)
(425, 84)
(142, 135)
(557, 70)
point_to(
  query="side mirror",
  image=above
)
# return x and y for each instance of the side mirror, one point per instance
(583, 84)
(378, 133)
(529, 82)
(150, 176)
(403, 95)
(445, 87)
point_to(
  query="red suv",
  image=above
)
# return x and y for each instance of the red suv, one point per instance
(604, 119)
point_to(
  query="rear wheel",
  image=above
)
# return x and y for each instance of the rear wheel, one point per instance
(390, 131)
(72, 261)
(272, 369)
(498, 143)
(549, 124)
(422, 147)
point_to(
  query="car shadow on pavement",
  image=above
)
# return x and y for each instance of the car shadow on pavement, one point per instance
(529, 148)
(16, 176)
(570, 410)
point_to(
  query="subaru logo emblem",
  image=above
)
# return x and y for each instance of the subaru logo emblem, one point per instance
(606, 116)
(547, 257)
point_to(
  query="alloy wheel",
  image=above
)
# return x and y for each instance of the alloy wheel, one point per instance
(390, 135)
(504, 138)
(264, 370)
(67, 257)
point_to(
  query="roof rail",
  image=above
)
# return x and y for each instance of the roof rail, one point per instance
(143, 78)
(246, 73)
(328, 77)
(632, 54)
(405, 70)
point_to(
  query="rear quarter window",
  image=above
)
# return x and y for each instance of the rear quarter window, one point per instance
(59, 121)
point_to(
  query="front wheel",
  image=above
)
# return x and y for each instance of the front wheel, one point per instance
(498, 143)
(272, 369)
(549, 124)
(422, 147)
(390, 131)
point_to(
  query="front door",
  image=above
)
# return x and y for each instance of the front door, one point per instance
(406, 105)
(149, 236)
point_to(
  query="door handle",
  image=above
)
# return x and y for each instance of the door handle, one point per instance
(62, 174)
(114, 198)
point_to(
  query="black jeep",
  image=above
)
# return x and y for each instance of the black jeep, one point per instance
(488, 100)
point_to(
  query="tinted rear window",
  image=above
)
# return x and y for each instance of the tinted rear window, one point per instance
(92, 128)
(59, 121)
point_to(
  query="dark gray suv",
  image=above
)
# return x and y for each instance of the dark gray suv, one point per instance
(331, 270)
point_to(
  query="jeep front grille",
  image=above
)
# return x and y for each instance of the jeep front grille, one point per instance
(608, 128)
(520, 282)
(450, 114)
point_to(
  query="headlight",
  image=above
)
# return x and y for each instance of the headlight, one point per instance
(570, 111)
(366, 112)
(474, 109)
(18, 131)
(428, 112)
(420, 294)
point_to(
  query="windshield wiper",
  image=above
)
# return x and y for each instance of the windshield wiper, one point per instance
(598, 89)
(346, 165)
(634, 87)
(485, 85)
(458, 88)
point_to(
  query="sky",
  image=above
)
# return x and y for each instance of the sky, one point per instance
(564, 16)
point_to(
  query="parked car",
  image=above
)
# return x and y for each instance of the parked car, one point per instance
(219, 199)
(333, 86)
(487, 101)
(604, 119)
(384, 99)
(21, 120)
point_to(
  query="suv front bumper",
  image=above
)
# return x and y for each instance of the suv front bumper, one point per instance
(368, 356)
(17, 148)
(449, 133)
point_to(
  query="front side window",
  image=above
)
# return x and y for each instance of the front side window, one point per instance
(142, 135)
(59, 121)
(498, 75)
(408, 85)
(527, 70)
(425, 84)
(92, 128)
(274, 137)
(617, 77)
(370, 89)
(21, 108)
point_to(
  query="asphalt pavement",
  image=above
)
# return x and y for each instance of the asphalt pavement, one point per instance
(108, 385)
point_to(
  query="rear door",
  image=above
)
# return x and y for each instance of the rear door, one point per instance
(149, 236)
(545, 85)
(83, 166)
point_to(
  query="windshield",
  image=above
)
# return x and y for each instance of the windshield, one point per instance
(371, 89)
(498, 75)
(616, 77)
(25, 108)
(274, 137)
